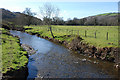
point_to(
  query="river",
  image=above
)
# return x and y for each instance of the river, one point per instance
(55, 61)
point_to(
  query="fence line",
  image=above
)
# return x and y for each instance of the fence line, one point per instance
(76, 32)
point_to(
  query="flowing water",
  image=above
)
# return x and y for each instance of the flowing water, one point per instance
(55, 61)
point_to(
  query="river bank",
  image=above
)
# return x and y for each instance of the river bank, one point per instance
(76, 44)
(71, 46)
(55, 61)
(22, 73)
(14, 57)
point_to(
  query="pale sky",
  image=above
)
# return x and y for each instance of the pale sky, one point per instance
(68, 8)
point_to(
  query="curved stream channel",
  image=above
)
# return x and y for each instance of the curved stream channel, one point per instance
(55, 61)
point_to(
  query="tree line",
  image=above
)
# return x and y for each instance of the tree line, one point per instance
(50, 15)
(104, 20)
(27, 17)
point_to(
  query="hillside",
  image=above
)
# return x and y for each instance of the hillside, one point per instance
(108, 14)
(106, 19)
(17, 18)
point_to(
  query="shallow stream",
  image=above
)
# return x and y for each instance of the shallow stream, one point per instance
(55, 61)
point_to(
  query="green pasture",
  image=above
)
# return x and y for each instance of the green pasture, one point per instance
(100, 40)
(13, 57)
(108, 14)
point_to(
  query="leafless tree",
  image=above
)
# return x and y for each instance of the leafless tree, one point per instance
(48, 12)
(29, 15)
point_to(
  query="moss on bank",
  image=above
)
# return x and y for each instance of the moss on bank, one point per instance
(13, 56)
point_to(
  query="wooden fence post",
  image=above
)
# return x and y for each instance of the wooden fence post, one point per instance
(107, 35)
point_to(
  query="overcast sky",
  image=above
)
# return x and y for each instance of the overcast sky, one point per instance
(68, 8)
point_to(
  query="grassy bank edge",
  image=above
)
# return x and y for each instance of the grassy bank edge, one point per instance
(13, 56)
(61, 32)
(104, 53)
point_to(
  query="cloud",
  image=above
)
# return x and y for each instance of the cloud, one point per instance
(64, 14)
(39, 16)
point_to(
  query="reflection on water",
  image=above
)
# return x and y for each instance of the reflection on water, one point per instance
(55, 61)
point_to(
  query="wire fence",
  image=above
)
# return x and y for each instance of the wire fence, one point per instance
(107, 35)
(83, 33)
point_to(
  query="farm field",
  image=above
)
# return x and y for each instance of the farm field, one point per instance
(99, 36)
(13, 56)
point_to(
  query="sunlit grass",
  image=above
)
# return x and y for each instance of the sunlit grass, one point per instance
(99, 41)
(12, 55)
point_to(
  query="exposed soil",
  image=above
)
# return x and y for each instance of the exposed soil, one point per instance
(20, 74)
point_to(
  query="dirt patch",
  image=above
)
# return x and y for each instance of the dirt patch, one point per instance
(20, 74)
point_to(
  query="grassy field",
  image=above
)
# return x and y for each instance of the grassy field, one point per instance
(99, 41)
(108, 14)
(13, 57)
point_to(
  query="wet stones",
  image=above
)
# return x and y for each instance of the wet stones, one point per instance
(37, 35)
(29, 49)
(55, 40)
(46, 37)
(50, 39)
(83, 60)
(65, 43)
(95, 62)
(94, 49)
(60, 42)
(117, 65)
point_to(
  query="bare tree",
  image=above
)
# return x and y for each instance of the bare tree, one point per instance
(48, 11)
(29, 15)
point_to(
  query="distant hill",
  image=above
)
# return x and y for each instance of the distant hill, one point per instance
(108, 14)
(106, 19)
(17, 18)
